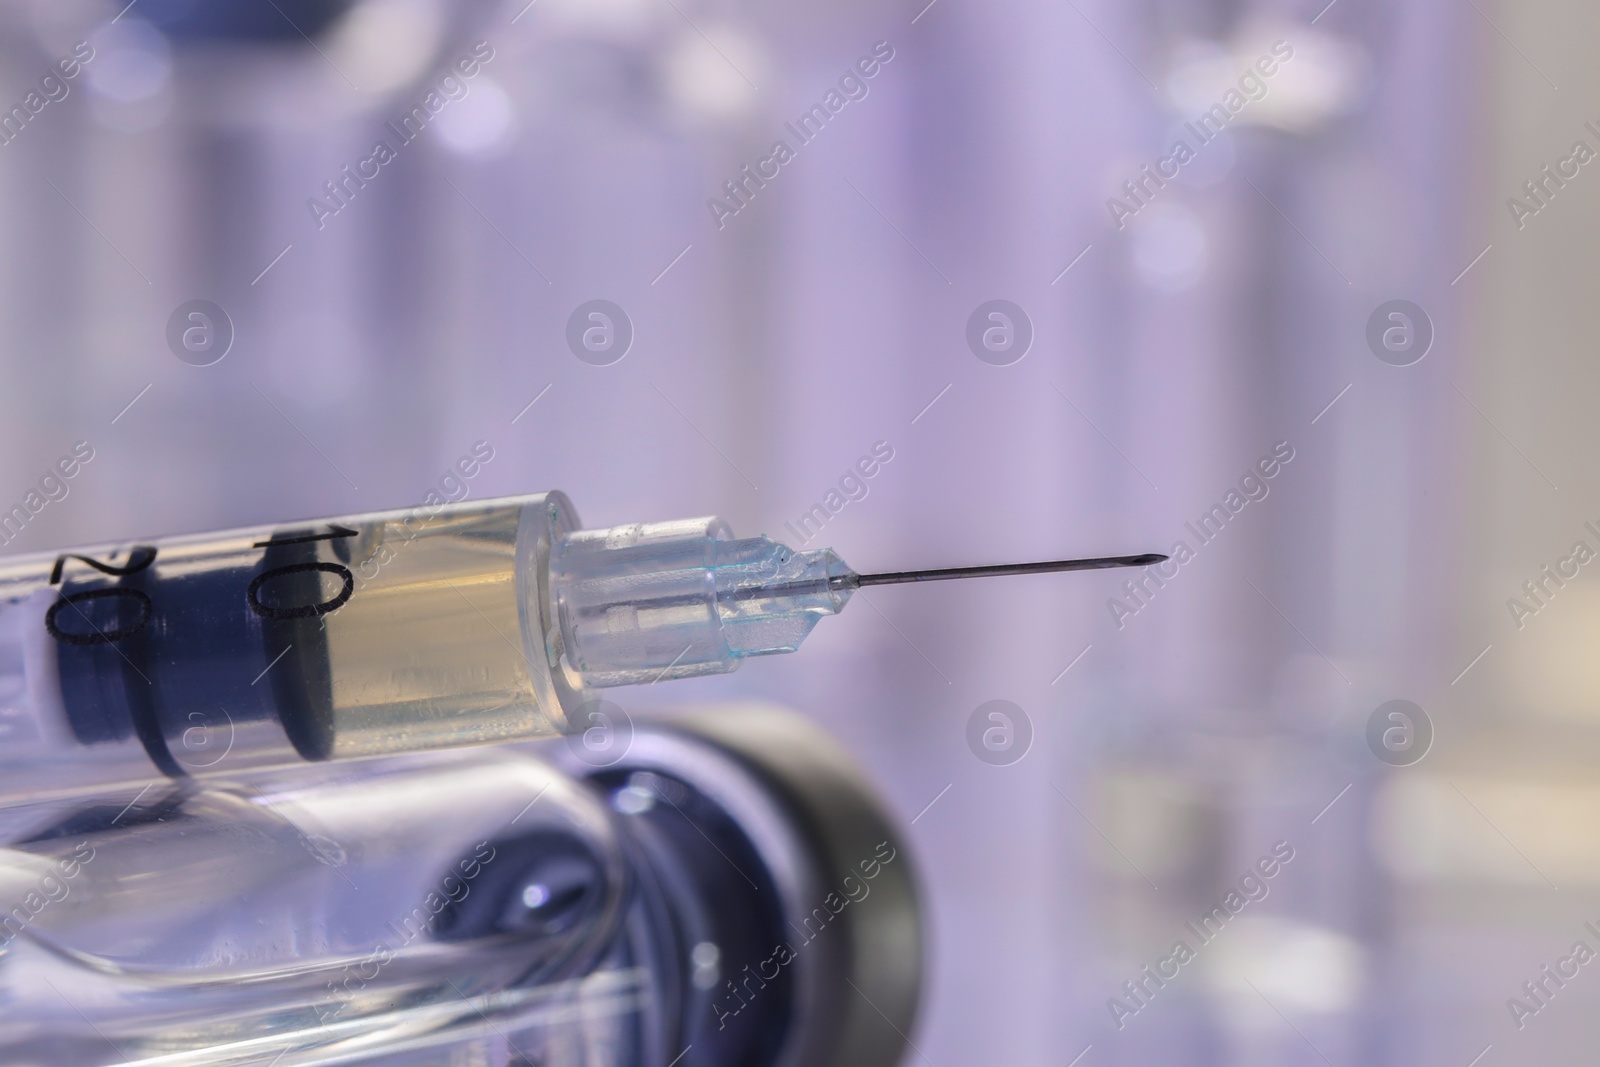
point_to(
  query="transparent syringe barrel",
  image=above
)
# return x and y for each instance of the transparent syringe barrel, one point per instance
(316, 916)
(352, 636)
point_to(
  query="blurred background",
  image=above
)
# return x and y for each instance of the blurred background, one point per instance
(370, 316)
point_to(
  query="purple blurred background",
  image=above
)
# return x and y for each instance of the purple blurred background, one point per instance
(1178, 735)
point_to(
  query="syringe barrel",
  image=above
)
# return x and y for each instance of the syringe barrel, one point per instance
(352, 636)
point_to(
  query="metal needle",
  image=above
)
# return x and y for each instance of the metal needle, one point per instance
(851, 581)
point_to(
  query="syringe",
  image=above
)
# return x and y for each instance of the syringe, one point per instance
(391, 631)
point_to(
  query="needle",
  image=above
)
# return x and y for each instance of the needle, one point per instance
(848, 581)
